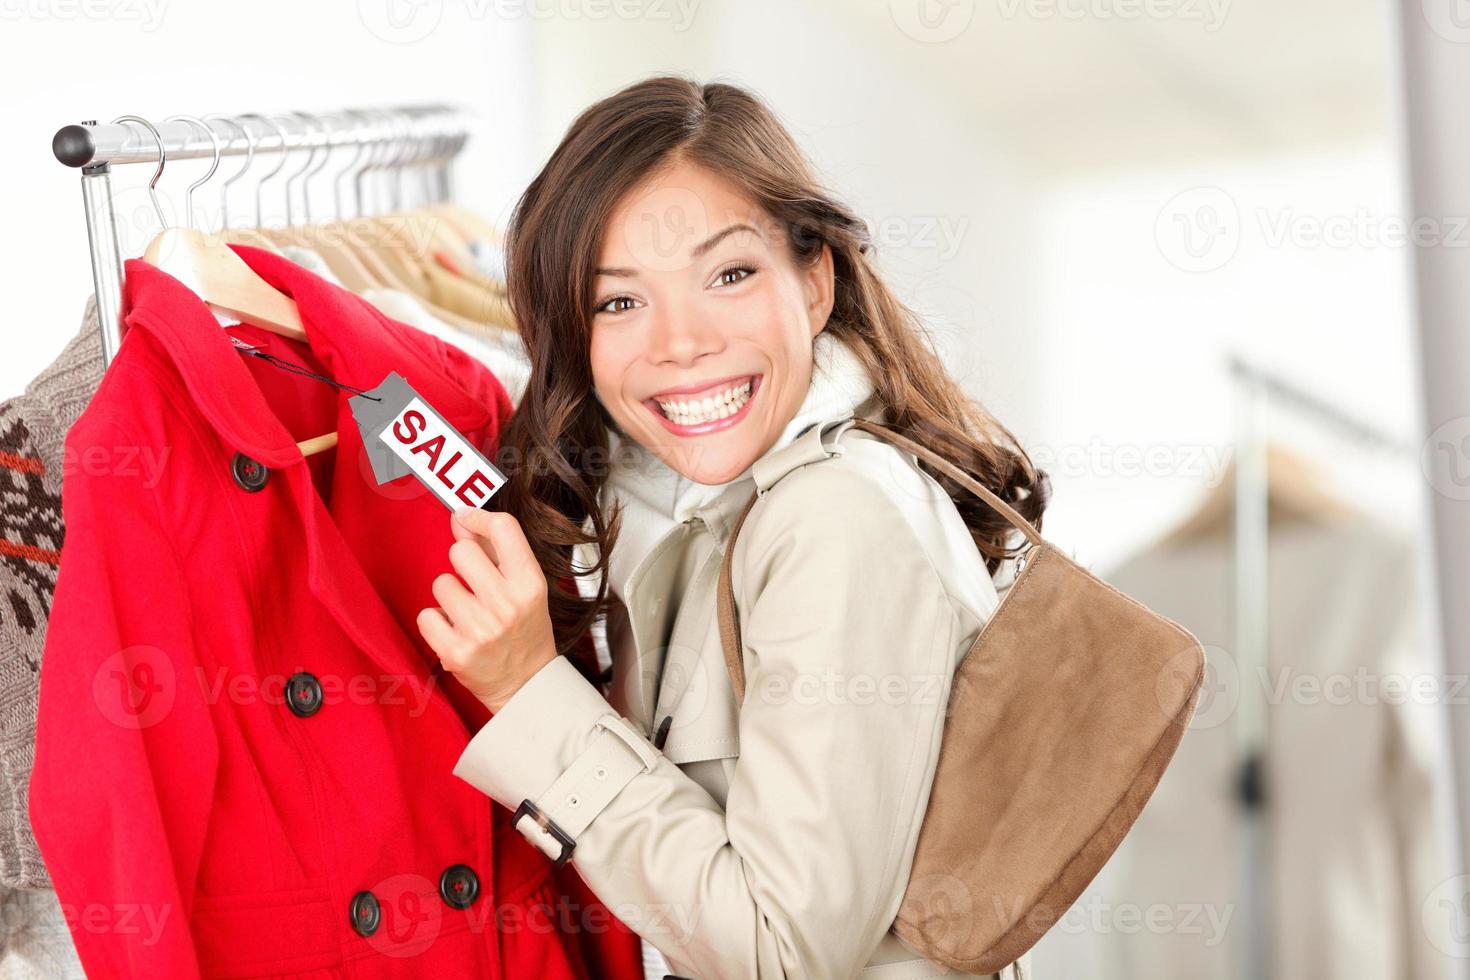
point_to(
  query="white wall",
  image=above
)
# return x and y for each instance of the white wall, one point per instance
(1142, 302)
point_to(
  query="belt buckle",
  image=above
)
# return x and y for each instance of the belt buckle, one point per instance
(529, 809)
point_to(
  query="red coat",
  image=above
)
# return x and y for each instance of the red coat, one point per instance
(244, 750)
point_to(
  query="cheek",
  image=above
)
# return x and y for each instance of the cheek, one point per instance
(763, 318)
(608, 361)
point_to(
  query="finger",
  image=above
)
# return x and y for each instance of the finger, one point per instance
(460, 606)
(469, 559)
(436, 631)
(473, 524)
(511, 551)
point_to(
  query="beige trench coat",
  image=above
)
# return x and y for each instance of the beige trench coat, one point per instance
(772, 840)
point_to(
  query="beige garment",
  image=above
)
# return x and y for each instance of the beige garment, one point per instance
(466, 298)
(502, 351)
(771, 839)
(1351, 777)
(499, 349)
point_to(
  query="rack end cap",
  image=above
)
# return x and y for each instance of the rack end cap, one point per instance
(73, 145)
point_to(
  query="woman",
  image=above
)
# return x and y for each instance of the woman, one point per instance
(704, 322)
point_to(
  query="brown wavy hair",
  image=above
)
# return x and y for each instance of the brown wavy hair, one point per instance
(555, 447)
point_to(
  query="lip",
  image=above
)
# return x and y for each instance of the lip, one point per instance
(701, 387)
(714, 425)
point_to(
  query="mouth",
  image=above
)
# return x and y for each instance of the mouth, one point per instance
(712, 409)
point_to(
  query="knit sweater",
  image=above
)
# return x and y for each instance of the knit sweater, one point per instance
(33, 427)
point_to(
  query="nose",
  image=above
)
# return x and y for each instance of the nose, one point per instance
(679, 336)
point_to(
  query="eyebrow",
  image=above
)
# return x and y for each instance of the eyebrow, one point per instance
(695, 252)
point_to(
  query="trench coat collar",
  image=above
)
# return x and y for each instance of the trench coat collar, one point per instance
(649, 583)
(657, 501)
(817, 440)
(352, 340)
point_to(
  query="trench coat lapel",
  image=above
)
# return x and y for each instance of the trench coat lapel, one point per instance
(688, 682)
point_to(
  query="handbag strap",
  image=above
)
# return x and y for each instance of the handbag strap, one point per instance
(725, 596)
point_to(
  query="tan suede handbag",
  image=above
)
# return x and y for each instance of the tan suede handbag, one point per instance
(1060, 721)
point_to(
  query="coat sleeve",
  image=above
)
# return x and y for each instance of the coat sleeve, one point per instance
(126, 754)
(852, 637)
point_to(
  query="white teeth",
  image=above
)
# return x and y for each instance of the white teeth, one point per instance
(717, 406)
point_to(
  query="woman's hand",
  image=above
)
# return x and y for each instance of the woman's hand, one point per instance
(492, 630)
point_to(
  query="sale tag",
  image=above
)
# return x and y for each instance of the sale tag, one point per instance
(403, 434)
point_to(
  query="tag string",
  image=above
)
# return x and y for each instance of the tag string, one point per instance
(298, 369)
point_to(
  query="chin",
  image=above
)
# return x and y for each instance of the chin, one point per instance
(716, 472)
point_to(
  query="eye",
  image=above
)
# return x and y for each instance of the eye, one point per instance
(610, 305)
(740, 272)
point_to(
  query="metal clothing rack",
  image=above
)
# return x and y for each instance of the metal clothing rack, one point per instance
(1279, 389)
(1256, 390)
(387, 139)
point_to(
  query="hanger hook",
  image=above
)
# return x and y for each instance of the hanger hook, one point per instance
(311, 157)
(391, 156)
(361, 145)
(260, 184)
(224, 204)
(317, 126)
(453, 143)
(405, 148)
(213, 166)
(381, 138)
(459, 135)
(162, 158)
(431, 140)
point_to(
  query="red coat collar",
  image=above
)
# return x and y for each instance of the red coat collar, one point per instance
(358, 345)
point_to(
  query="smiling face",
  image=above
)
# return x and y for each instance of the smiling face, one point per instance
(703, 323)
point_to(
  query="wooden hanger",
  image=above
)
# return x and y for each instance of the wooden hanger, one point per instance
(212, 270)
(1296, 492)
